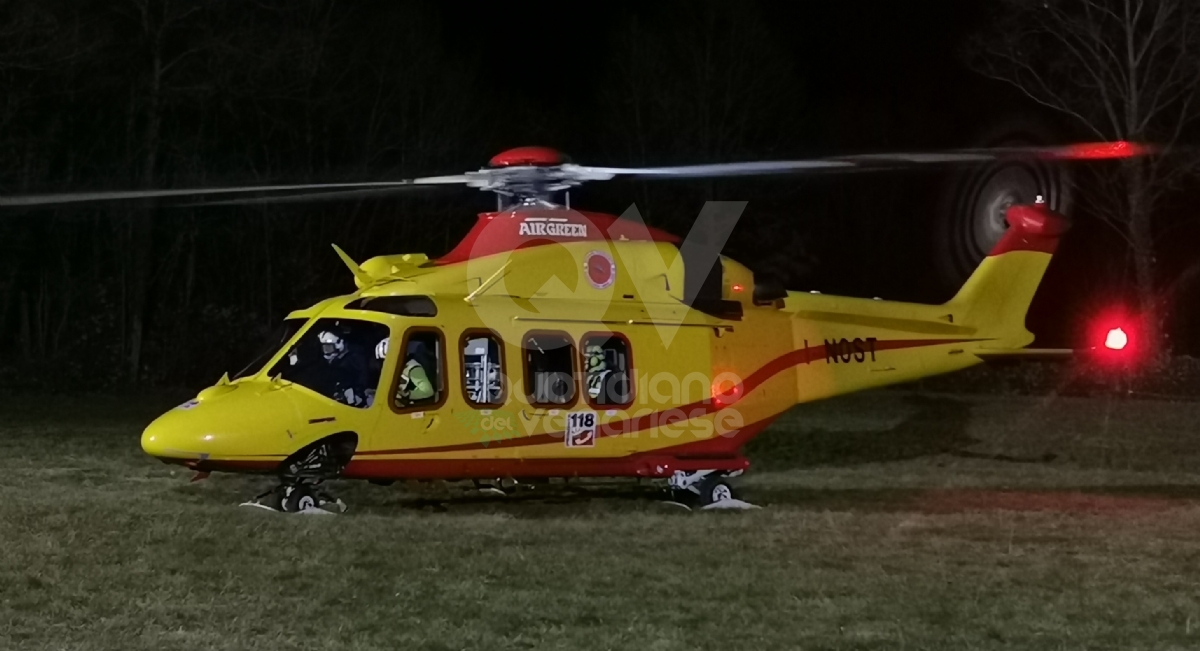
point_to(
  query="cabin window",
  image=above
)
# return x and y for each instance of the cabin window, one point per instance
(419, 373)
(336, 358)
(607, 370)
(483, 369)
(549, 369)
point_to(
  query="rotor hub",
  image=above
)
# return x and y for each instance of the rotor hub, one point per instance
(531, 174)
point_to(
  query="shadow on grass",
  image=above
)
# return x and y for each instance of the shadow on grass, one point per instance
(617, 499)
(1081, 500)
(626, 497)
(938, 426)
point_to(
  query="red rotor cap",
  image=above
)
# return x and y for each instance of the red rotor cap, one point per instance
(1036, 219)
(528, 156)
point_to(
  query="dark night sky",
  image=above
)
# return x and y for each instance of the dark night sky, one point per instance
(897, 65)
(900, 57)
(463, 81)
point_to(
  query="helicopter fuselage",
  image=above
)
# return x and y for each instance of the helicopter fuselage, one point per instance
(559, 355)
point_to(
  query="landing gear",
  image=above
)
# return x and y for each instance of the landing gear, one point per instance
(495, 487)
(298, 498)
(324, 460)
(703, 487)
(715, 490)
(301, 476)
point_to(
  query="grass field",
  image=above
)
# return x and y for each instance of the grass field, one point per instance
(891, 521)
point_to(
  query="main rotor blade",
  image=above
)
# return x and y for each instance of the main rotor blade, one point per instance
(538, 178)
(718, 169)
(1086, 151)
(307, 197)
(84, 197)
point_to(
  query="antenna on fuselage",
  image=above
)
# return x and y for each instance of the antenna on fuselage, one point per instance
(363, 278)
(483, 287)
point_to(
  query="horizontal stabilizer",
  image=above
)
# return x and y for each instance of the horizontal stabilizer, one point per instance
(1026, 355)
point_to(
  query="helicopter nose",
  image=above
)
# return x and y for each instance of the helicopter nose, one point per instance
(245, 427)
(154, 440)
(172, 439)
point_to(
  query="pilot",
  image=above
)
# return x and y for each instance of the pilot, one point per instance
(348, 372)
(414, 385)
(597, 373)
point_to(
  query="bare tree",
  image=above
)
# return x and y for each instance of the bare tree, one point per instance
(697, 82)
(1124, 70)
(181, 93)
(707, 81)
(161, 25)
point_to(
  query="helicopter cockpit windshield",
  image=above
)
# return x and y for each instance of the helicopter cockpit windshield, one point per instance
(278, 338)
(338, 358)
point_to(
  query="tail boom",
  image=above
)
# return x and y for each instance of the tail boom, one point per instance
(850, 344)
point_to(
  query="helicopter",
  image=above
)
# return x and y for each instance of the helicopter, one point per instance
(558, 343)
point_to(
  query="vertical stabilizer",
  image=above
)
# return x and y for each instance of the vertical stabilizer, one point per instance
(996, 298)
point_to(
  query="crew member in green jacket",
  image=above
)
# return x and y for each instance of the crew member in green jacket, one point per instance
(414, 386)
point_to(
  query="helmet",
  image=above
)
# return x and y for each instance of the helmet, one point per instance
(595, 358)
(332, 346)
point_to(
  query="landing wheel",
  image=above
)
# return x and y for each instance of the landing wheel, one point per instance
(297, 498)
(715, 489)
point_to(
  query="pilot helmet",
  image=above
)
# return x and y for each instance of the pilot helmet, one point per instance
(332, 346)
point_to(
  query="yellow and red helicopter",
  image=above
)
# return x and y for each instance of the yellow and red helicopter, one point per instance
(554, 342)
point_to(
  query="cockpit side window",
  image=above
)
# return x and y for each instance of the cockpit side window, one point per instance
(338, 358)
(278, 338)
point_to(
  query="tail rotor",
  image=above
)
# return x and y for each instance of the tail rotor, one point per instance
(974, 202)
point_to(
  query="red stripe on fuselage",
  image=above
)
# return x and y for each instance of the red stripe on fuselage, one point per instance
(716, 453)
(697, 409)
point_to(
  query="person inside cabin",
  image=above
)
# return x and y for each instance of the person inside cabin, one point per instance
(494, 388)
(376, 365)
(597, 373)
(347, 371)
(415, 385)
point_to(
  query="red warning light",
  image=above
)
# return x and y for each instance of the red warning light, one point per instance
(738, 288)
(1116, 339)
(1113, 338)
(726, 392)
